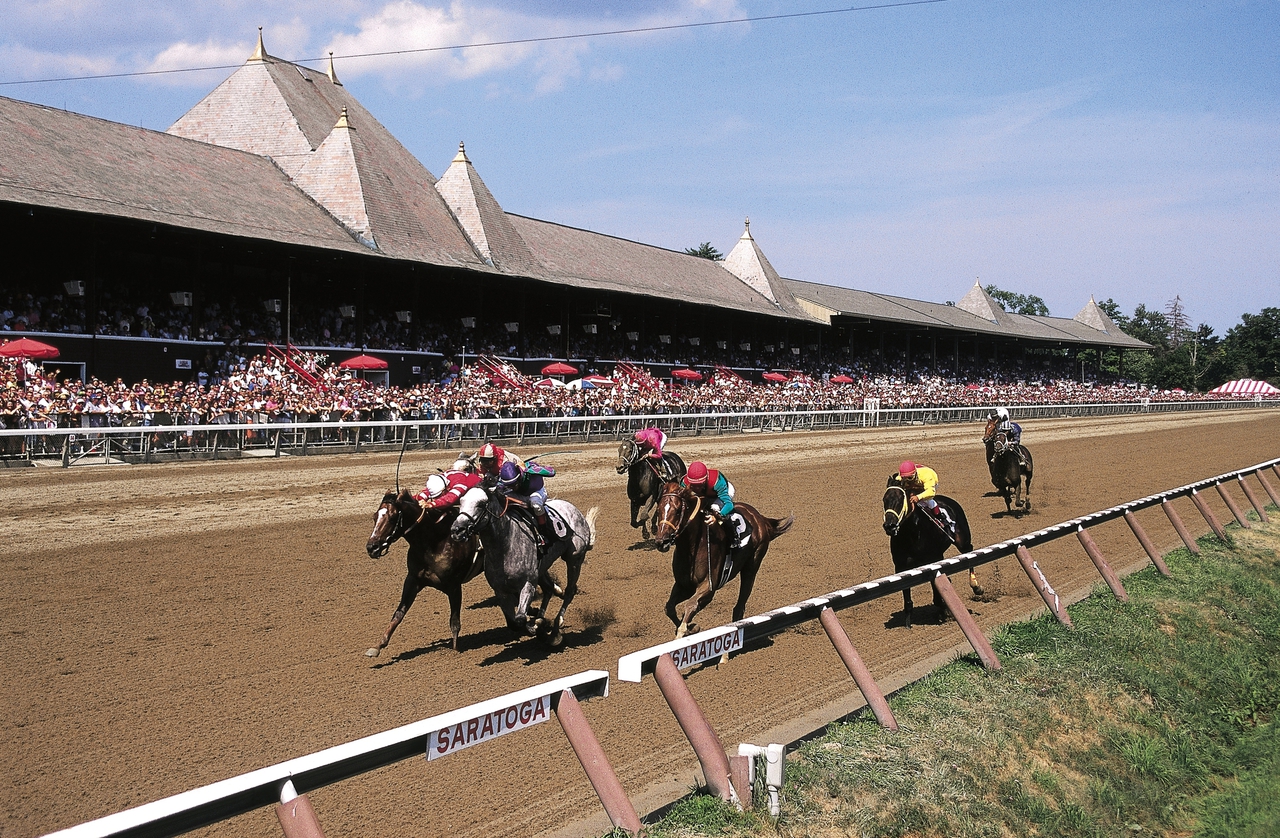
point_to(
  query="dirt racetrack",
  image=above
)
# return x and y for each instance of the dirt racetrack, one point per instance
(169, 626)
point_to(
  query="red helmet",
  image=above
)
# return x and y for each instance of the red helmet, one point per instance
(697, 472)
(907, 469)
(489, 451)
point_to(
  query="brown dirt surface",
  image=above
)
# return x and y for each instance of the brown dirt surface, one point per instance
(169, 626)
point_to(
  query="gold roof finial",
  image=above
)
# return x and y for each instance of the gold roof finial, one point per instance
(342, 120)
(746, 233)
(259, 54)
(461, 156)
(333, 77)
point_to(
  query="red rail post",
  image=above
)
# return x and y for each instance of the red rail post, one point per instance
(1100, 563)
(740, 771)
(601, 774)
(1047, 593)
(1208, 516)
(861, 675)
(1276, 469)
(967, 624)
(1260, 508)
(705, 742)
(298, 818)
(1180, 527)
(1141, 535)
(1262, 478)
(1241, 518)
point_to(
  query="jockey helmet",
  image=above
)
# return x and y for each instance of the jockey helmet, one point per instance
(461, 464)
(489, 451)
(1002, 412)
(509, 475)
(436, 484)
(907, 469)
(697, 472)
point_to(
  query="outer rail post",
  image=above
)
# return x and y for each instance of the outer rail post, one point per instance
(705, 742)
(297, 817)
(967, 624)
(601, 774)
(1141, 535)
(1047, 593)
(1100, 563)
(1180, 527)
(1260, 508)
(1241, 518)
(1262, 478)
(1275, 468)
(861, 675)
(1208, 516)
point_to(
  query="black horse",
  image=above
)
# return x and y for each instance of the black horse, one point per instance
(1011, 478)
(644, 482)
(917, 538)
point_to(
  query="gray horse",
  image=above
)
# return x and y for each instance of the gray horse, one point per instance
(511, 562)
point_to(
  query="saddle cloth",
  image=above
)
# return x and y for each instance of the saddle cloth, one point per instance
(558, 523)
(740, 540)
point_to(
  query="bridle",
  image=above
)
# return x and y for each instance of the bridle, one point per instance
(900, 513)
(686, 519)
(1000, 443)
(483, 512)
(399, 529)
(628, 460)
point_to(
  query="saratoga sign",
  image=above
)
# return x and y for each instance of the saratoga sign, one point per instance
(707, 649)
(464, 734)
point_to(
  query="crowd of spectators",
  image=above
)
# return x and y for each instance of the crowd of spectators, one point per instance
(266, 389)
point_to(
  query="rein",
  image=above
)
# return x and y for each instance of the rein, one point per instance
(697, 505)
(900, 513)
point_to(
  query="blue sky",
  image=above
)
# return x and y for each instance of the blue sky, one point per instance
(1128, 150)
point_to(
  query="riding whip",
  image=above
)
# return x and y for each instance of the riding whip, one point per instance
(403, 446)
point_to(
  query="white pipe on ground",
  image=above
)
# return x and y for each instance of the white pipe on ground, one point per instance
(773, 756)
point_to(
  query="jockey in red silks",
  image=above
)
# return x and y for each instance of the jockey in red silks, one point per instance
(447, 487)
(489, 460)
(716, 488)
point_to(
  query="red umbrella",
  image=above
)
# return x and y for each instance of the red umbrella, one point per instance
(559, 368)
(687, 375)
(774, 376)
(363, 362)
(841, 379)
(28, 348)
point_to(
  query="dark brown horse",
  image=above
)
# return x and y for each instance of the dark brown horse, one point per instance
(916, 538)
(1008, 474)
(435, 560)
(645, 479)
(704, 561)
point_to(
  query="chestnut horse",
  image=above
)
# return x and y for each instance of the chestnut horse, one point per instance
(435, 560)
(704, 561)
(644, 483)
(1008, 474)
(916, 538)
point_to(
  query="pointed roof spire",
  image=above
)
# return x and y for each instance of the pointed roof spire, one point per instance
(746, 234)
(981, 304)
(461, 156)
(748, 263)
(333, 76)
(343, 122)
(1093, 316)
(480, 217)
(259, 54)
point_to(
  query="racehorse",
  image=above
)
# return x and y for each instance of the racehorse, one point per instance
(704, 561)
(511, 562)
(1008, 475)
(435, 560)
(916, 538)
(644, 482)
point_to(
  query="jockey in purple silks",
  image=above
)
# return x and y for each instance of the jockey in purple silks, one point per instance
(524, 483)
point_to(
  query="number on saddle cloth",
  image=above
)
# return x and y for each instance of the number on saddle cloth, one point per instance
(558, 524)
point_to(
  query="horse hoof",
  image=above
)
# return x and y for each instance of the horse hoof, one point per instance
(372, 653)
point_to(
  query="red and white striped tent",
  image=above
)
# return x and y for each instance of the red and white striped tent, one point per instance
(1245, 387)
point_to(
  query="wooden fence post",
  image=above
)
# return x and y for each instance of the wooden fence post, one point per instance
(1240, 517)
(1047, 593)
(1208, 516)
(1180, 527)
(1141, 535)
(967, 624)
(861, 675)
(1095, 555)
(1260, 508)
(703, 738)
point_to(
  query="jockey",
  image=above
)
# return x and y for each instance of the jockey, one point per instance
(921, 484)
(447, 487)
(490, 459)
(649, 443)
(713, 486)
(1000, 421)
(524, 483)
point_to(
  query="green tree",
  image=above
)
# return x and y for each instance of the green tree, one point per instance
(1018, 303)
(1253, 347)
(706, 250)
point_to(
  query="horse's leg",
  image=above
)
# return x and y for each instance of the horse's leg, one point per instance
(573, 565)
(407, 595)
(454, 592)
(690, 607)
(1027, 505)
(521, 616)
(680, 591)
(906, 607)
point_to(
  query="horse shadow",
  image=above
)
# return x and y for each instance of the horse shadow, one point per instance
(644, 544)
(530, 650)
(927, 614)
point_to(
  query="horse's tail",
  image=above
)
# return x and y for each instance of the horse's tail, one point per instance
(591, 526)
(780, 525)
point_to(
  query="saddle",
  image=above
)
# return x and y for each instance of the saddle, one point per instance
(739, 532)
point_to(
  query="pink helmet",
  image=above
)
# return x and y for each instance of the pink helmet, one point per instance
(907, 469)
(697, 472)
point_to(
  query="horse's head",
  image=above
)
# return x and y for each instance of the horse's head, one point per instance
(1000, 443)
(473, 509)
(896, 507)
(677, 506)
(627, 452)
(388, 524)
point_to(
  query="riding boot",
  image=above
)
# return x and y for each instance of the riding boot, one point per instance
(543, 532)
